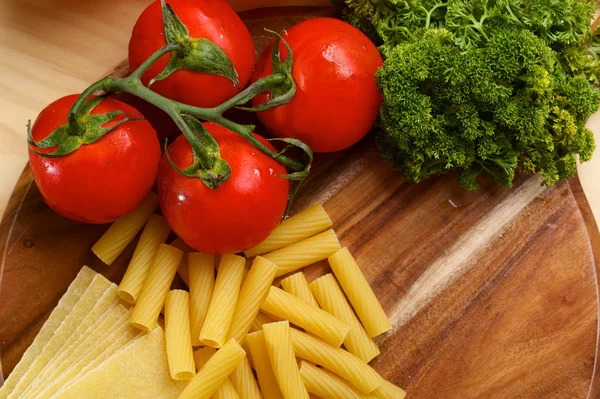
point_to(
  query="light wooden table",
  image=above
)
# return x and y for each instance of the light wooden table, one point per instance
(50, 48)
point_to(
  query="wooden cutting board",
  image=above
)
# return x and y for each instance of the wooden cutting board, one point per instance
(492, 293)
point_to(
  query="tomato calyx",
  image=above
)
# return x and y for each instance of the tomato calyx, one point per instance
(88, 129)
(193, 54)
(207, 164)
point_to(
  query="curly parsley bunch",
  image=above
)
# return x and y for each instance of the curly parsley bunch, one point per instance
(484, 86)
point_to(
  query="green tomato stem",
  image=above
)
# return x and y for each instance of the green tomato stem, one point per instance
(263, 84)
(75, 125)
(174, 109)
(246, 132)
(137, 74)
(132, 84)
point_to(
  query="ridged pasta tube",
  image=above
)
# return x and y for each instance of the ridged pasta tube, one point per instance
(305, 224)
(310, 318)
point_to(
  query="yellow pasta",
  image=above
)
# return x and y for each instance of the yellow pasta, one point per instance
(332, 299)
(88, 300)
(222, 304)
(259, 321)
(252, 294)
(262, 365)
(339, 361)
(326, 384)
(359, 293)
(156, 287)
(297, 285)
(304, 253)
(155, 233)
(183, 269)
(178, 335)
(387, 390)
(216, 370)
(305, 224)
(201, 283)
(88, 338)
(202, 355)
(310, 318)
(123, 230)
(104, 307)
(58, 315)
(283, 361)
(226, 390)
(121, 333)
(243, 381)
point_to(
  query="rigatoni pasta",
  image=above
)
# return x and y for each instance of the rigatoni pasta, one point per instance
(202, 355)
(248, 353)
(183, 269)
(178, 335)
(156, 287)
(332, 299)
(304, 253)
(262, 364)
(243, 380)
(155, 233)
(252, 294)
(219, 313)
(260, 320)
(222, 304)
(305, 224)
(226, 390)
(326, 384)
(297, 285)
(387, 390)
(359, 293)
(201, 283)
(216, 370)
(339, 361)
(310, 318)
(123, 230)
(281, 354)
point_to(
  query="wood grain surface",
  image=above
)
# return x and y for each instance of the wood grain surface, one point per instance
(492, 294)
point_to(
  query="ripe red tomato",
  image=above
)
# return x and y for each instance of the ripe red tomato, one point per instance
(239, 214)
(101, 181)
(214, 20)
(336, 100)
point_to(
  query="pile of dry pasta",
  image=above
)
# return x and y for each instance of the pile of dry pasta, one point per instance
(241, 320)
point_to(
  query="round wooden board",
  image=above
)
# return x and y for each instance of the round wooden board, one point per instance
(492, 293)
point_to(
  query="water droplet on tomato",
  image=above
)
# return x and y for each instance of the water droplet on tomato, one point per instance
(256, 172)
(271, 172)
